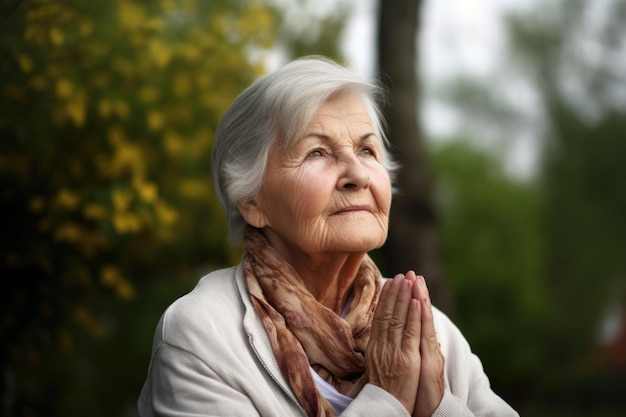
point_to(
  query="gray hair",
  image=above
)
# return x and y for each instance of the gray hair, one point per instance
(275, 110)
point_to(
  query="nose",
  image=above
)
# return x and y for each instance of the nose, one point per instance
(353, 174)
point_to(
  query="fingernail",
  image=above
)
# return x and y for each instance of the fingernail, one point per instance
(422, 282)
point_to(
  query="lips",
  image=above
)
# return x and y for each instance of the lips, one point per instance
(352, 209)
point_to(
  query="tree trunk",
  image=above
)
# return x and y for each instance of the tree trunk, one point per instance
(414, 241)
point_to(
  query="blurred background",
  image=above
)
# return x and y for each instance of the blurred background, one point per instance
(107, 113)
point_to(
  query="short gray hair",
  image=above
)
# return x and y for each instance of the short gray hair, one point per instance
(275, 110)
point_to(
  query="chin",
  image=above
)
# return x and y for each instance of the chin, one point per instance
(360, 243)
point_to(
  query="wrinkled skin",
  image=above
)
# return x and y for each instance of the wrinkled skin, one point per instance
(325, 203)
(403, 356)
(323, 206)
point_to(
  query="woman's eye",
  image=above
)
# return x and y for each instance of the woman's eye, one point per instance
(368, 151)
(315, 153)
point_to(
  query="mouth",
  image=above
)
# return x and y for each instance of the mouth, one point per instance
(353, 209)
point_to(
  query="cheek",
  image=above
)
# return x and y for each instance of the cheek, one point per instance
(382, 191)
(310, 205)
(311, 192)
(295, 204)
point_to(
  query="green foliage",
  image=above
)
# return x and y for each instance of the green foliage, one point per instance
(536, 266)
(107, 111)
(572, 53)
(494, 255)
(107, 114)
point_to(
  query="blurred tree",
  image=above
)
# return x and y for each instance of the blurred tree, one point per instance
(414, 231)
(562, 82)
(573, 53)
(494, 256)
(308, 28)
(107, 111)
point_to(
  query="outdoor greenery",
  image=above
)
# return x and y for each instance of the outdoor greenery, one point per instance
(537, 264)
(107, 113)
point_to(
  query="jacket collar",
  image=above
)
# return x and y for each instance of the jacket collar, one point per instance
(257, 337)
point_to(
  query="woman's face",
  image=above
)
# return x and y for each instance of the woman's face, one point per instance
(330, 193)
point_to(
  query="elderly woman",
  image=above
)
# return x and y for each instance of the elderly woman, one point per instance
(305, 325)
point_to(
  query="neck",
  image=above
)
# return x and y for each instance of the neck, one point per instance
(329, 277)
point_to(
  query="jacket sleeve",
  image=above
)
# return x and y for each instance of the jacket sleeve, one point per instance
(467, 392)
(180, 384)
(481, 401)
(375, 401)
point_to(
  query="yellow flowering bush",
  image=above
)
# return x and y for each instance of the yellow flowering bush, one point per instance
(107, 111)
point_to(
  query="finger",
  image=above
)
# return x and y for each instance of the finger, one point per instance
(411, 276)
(386, 305)
(413, 330)
(376, 329)
(431, 382)
(429, 346)
(398, 322)
(420, 290)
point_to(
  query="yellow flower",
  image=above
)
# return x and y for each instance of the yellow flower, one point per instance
(125, 290)
(110, 277)
(155, 120)
(147, 191)
(160, 53)
(130, 15)
(93, 211)
(76, 108)
(56, 36)
(83, 316)
(131, 156)
(173, 143)
(121, 199)
(67, 199)
(64, 88)
(125, 222)
(26, 64)
(166, 214)
(116, 135)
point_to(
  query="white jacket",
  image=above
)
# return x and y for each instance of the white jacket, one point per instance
(211, 357)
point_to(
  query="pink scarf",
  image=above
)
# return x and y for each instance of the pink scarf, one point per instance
(303, 332)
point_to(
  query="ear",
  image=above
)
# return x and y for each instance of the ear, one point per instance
(252, 213)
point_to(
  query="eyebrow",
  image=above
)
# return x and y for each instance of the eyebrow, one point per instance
(324, 137)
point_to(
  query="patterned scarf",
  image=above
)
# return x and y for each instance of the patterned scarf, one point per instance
(304, 332)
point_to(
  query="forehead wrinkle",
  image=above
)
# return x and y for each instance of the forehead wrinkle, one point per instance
(328, 138)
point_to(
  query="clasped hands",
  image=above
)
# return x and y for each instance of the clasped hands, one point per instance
(403, 356)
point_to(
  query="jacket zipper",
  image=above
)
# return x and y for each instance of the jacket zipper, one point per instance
(251, 342)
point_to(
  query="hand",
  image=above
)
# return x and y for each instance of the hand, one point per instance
(431, 382)
(393, 352)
